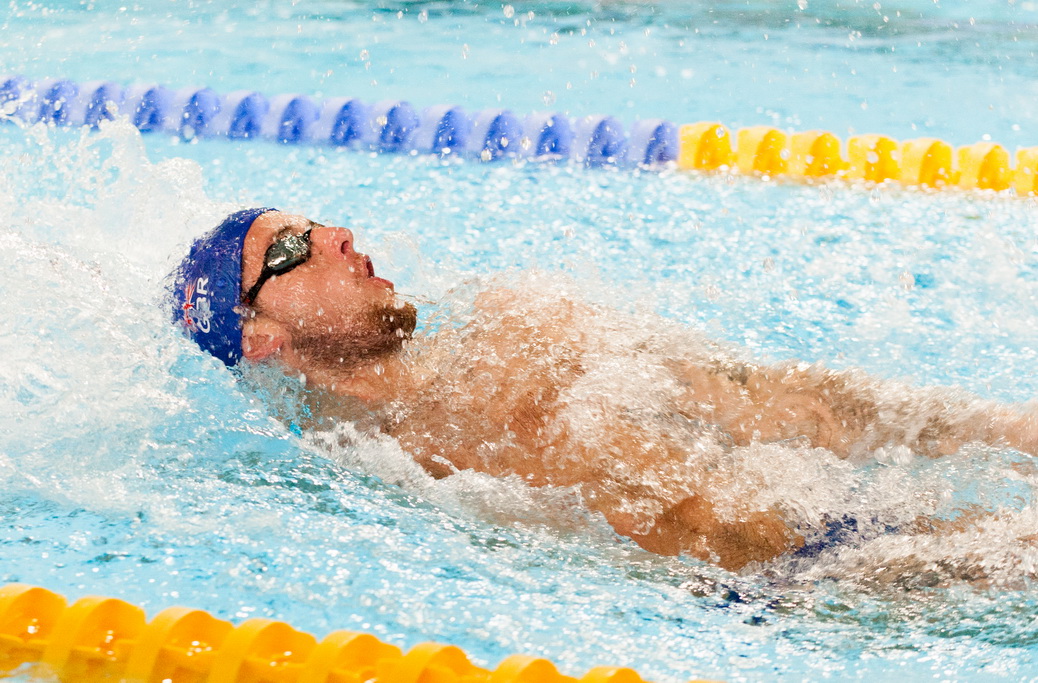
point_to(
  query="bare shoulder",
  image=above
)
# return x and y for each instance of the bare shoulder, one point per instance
(531, 308)
(496, 382)
(513, 323)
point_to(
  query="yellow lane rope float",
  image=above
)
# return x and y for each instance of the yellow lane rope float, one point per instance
(929, 162)
(106, 639)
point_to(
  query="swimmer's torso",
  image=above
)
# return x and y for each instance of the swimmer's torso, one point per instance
(638, 419)
(561, 395)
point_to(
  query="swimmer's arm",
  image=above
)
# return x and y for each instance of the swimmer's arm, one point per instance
(755, 403)
(645, 487)
(693, 527)
(853, 414)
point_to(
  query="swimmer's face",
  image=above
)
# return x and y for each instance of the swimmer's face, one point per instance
(332, 299)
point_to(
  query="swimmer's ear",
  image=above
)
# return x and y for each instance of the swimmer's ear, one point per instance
(261, 338)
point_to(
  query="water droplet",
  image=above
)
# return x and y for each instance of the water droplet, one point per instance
(423, 17)
(802, 4)
(509, 11)
(548, 97)
(554, 39)
(364, 55)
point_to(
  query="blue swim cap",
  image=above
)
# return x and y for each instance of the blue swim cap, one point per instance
(207, 287)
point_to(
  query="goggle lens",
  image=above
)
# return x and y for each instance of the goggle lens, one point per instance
(282, 256)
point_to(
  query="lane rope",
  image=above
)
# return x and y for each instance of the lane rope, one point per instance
(394, 126)
(107, 639)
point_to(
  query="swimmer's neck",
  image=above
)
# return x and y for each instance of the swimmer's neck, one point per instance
(376, 380)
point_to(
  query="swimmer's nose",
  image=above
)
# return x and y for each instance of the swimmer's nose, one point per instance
(333, 242)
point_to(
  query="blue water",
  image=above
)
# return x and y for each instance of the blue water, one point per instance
(131, 465)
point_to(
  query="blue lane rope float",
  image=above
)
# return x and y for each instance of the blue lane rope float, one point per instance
(386, 126)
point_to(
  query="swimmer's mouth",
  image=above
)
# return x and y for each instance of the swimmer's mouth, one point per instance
(370, 268)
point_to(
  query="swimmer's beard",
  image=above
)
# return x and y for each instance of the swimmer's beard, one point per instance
(382, 332)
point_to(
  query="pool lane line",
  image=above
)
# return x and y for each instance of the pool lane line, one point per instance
(107, 639)
(394, 126)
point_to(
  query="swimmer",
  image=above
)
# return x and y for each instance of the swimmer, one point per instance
(533, 389)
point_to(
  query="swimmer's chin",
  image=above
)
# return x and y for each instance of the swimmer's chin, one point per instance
(400, 319)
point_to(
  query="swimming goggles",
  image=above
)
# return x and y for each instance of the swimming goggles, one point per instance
(282, 256)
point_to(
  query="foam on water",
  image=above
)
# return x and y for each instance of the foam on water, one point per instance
(133, 465)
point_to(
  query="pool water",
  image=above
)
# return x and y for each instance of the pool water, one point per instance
(132, 465)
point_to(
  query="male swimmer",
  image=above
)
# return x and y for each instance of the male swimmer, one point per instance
(529, 389)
